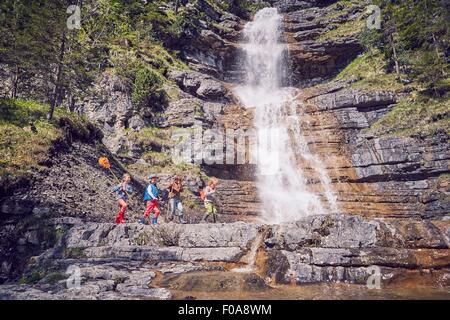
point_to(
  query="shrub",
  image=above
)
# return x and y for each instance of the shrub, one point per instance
(167, 235)
(147, 90)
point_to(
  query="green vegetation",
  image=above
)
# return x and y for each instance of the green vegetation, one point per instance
(190, 203)
(352, 27)
(183, 169)
(73, 253)
(160, 159)
(147, 88)
(152, 138)
(407, 56)
(369, 72)
(339, 9)
(157, 142)
(414, 39)
(42, 275)
(26, 136)
(31, 278)
(55, 277)
(416, 115)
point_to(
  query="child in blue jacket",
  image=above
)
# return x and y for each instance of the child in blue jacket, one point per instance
(151, 197)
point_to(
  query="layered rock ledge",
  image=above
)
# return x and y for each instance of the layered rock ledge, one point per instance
(128, 261)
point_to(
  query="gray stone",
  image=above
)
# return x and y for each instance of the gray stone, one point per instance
(238, 234)
(227, 254)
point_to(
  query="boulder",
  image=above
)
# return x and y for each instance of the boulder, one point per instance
(200, 85)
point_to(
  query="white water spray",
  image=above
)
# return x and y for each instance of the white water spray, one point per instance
(283, 157)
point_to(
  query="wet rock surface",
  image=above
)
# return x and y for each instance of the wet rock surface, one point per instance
(374, 174)
(344, 248)
(312, 55)
(126, 261)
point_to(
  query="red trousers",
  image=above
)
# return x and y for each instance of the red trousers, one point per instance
(152, 205)
(120, 218)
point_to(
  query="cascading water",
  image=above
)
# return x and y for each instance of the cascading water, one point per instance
(282, 182)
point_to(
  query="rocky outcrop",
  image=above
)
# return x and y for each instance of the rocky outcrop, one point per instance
(200, 85)
(315, 55)
(110, 108)
(393, 190)
(374, 174)
(213, 49)
(342, 248)
(124, 261)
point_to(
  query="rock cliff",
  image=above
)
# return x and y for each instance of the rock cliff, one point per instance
(392, 190)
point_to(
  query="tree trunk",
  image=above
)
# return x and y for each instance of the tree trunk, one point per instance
(15, 83)
(394, 51)
(71, 103)
(438, 54)
(56, 92)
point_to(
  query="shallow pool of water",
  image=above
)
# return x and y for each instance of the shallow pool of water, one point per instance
(232, 285)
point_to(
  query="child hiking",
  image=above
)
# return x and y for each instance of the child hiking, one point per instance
(211, 201)
(175, 190)
(123, 190)
(151, 196)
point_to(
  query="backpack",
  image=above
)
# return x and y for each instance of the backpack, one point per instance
(164, 195)
(202, 195)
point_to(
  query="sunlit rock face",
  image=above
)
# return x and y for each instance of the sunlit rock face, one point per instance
(375, 176)
(270, 71)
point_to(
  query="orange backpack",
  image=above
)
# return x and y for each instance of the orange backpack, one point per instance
(202, 195)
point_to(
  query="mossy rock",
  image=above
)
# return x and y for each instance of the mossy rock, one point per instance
(74, 253)
(31, 278)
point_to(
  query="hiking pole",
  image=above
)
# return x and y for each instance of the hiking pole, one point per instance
(104, 162)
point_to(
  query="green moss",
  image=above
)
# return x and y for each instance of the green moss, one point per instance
(157, 158)
(74, 253)
(31, 278)
(26, 136)
(369, 71)
(347, 29)
(152, 138)
(55, 277)
(415, 115)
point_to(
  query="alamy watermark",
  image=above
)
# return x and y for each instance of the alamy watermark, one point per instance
(228, 146)
(74, 279)
(374, 19)
(374, 279)
(74, 20)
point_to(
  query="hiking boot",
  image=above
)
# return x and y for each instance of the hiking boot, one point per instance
(141, 221)
(154, 220)
(182, 221)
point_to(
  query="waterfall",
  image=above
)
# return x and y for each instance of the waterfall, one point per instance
(282, 152)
